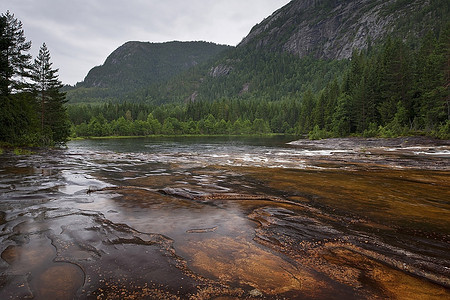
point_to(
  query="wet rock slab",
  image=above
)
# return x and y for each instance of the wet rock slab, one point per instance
(354, 220)
(83, 254)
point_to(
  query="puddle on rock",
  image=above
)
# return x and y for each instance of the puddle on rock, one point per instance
(59, 281)
(41, 277)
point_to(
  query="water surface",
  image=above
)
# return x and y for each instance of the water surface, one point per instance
(225, 218)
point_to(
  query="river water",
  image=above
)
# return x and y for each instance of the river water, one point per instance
(227, 218)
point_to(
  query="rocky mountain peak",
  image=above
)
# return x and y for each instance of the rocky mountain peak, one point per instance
(332, 29)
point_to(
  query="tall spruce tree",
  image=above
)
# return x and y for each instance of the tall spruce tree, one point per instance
(4, 45)
(50, 100)
(16, 106)
(15, 53)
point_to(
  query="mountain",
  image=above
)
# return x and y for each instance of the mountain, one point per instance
(332, 29)
(327, 68)
(138, 64)
(302, 46)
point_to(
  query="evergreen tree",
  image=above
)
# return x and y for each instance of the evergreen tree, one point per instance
(4, 67)
(54, 125)
(395, 80)
(341, 125)
(15, 53)
(306, 120)
(16, 107)
(444, 47)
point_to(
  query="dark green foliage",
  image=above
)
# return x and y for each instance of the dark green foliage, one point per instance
(319, 134)
(17, 118)
(220, 117)
(5, 44)
(388, 92)
(342, 123)
(15, 57)
(431, 89)
(246, 75)
(23, 120)
(46, 87)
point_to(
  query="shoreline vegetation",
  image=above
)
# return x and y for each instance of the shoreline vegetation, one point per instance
(29, 150)
(390, 90)
(294, 136)
(315, 134)
(111, 137)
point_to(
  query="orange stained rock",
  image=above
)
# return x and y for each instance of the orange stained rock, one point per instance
(243, 262)
(60, 281)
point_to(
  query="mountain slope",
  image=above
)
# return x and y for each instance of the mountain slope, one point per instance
(302, 46)
(332, 29)
(138, 64)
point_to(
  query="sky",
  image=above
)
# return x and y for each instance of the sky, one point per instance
(80, 34)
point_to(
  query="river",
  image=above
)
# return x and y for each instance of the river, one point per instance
(227, 218)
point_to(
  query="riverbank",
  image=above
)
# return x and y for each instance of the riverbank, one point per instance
(178, 136)
(17, 150)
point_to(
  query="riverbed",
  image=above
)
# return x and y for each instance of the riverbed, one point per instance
(227, 218)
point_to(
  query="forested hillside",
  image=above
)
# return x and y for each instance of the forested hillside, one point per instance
(387, 88)
(301, 46)
(389, 91)
(245, 74)
(135, 65)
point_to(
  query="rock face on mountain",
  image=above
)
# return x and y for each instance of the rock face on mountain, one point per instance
(332, 29)
(136, 64)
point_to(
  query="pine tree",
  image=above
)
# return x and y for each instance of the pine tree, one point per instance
(305, 123)
(4, 67)
(17, 118)
(395, 80)
(341, 125)
(442, 53)
(14, 53)
(54, 125)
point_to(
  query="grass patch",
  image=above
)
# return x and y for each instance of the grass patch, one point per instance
(21, 151)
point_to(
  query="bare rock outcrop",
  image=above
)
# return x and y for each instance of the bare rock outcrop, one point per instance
(333, 29)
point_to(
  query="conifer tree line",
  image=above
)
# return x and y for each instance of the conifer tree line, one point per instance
(389, 92)
(32, 107)
(385, 91)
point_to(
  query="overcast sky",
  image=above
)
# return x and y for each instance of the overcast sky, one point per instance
(80, 34)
